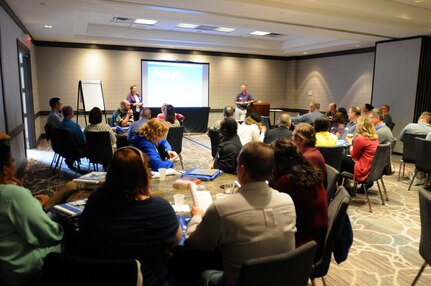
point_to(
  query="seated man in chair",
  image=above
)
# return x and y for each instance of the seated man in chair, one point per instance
(123, 116)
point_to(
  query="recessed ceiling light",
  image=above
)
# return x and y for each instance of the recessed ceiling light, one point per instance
(145, 22)
(259, 33)
(419, 1)
(226, 30)
(48, 26)
(357, 45)
(187, 26)
(305, 53)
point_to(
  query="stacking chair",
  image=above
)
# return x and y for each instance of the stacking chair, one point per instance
(336, 212)
(422, 152)
(292, 268)
(408, 151)
(99, 149)
(67, 270)
(49, 132)
(65, 147)
(332, 179)
(175, 139)
(215, 140)
(424, 245)
(380, 161)
(332, 155)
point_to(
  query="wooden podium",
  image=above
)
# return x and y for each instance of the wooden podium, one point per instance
(261, 108)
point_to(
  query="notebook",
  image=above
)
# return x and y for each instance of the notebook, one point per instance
(201, 199)
(169, 172)
(94, 178)
(72, 208)
(203, 174)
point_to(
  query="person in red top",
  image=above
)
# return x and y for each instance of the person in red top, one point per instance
(362, 149)
(300, 179)
(304, 136)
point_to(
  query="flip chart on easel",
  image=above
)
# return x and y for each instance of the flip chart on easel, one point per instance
(92, 94)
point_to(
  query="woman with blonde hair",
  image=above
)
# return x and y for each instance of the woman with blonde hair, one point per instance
(151, 140)
(122, 220)
(362, 149)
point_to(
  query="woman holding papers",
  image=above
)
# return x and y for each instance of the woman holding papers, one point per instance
(27, 234)
(123, 221)
(296, 176)
(151, 140)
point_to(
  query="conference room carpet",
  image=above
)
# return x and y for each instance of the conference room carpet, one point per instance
(386, 242)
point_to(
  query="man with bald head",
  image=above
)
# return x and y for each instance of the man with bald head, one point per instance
(310, 117)
(283, 129)
(123, 116)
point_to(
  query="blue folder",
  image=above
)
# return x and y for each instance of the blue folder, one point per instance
(203, 174)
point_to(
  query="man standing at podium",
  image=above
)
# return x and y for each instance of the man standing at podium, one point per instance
(242, 100)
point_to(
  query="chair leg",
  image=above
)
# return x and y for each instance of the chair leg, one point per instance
(399, 171)
(53, 160)
(380, 192)
(404, 169)
(384, 189)
(323, 280)
(181, 160)
(368, 199)
(420, 273)
(414, 176)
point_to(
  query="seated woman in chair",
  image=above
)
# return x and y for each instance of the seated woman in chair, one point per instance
(363, 147)
(123, 221)
(27, 234)
(297, 177)
(170, 119)
(96, 125)
(151, 140)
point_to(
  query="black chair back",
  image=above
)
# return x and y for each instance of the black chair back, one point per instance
(292, 268)
(422, 153)
(391, 125)
(175, 138)
(409, 147)
(380, 161)
(336, 213)
(99, 147)
(215, 141)
(332, 155)
(332, 179)
(67, 270)
(266, 121)
(64, 144)
(425, 213)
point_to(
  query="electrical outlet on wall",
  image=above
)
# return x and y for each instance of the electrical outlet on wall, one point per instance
(310, 93)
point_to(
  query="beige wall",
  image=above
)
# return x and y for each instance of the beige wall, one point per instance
(346, 80)
(285, 84)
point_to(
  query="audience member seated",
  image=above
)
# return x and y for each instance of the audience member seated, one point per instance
(367, 108)
(383, 131)
(323, 136)
(304, 136)
(96, 125)
(251, 129)
(135, 126)
(151, 140)
(362, 150)
(310, 117)
(135, 101)
(339, 121)
(283, 129)
(76, 133)
(295, 176)
(254, 222)
(354, 113)
(161, 116)
(229, 147)
(54, 117)
(170, 119)
(423, 127)
(228, 111)
(387, 118)
(27, 234)
(332, 109)
(122, 220)
(123, 116)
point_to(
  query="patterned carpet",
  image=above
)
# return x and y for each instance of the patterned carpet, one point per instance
(385, 247)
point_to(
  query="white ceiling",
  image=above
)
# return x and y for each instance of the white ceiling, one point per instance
(308, 26)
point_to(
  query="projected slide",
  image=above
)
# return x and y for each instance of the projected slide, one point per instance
(176, 83)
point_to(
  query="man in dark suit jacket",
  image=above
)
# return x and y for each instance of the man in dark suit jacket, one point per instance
(281, 131)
